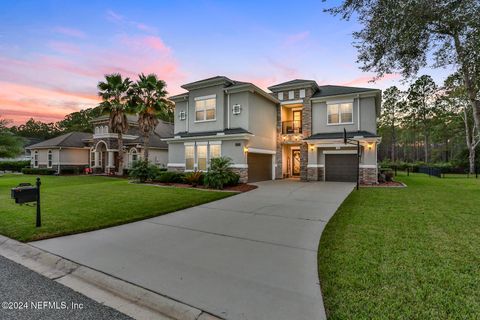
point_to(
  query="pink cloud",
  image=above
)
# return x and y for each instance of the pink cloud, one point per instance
(69, 80)
(70, 32)
(369, 79)
(64, 47)
(295, 38)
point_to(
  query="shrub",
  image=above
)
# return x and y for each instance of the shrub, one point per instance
(15, 166)
(220, 173)
(143, 170)
(388, 175)
(40, 171)
(194, 178)
(169, 177)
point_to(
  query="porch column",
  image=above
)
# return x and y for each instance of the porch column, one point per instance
(97, 158)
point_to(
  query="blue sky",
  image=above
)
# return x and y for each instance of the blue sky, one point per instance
(53, 53)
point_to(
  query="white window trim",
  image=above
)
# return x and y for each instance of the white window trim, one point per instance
(302, 93)
(280, 96)
(35, 159)
(49, 161)
(189, 144)
(182, 115)
(339, 113)
(291, 95)
(212, 96)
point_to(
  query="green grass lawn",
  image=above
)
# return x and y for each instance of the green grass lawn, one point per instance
(73, 204)
(406, 253)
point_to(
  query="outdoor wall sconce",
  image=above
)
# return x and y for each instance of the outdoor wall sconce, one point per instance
(312, 147)
(370, 145)
(245, 149)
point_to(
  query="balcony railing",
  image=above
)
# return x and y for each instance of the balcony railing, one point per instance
(292, 126)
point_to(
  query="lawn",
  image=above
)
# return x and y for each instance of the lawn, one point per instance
(405, 253)
(73, 204)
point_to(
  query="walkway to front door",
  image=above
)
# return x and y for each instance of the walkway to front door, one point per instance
(250, 256)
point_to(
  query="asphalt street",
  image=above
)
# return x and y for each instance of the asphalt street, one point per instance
(27, 295)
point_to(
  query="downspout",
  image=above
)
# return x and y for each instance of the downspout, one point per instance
(188, 115)
(228, 110)
(358, 112)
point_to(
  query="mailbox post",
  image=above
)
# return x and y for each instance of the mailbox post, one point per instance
(26, 193)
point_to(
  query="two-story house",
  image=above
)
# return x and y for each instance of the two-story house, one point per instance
(294, 131)
(99, 151)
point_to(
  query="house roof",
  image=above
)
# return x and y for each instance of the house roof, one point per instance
(329, 90)
(68, 140)
(212, 133)
(293, 83)
(339, 135)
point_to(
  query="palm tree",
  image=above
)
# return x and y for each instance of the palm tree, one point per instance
(114, 93)
(148, 101)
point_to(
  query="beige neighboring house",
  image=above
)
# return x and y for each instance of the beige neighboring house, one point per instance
(295, 130)
(99, 150)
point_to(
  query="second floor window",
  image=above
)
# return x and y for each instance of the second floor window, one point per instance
(340, 113)
(205, 108)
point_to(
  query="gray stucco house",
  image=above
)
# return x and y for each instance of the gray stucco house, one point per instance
(99, 150)
(296, 130)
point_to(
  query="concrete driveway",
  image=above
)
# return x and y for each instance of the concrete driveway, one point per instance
(251, 256)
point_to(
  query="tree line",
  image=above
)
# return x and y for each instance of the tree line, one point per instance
(429, 123)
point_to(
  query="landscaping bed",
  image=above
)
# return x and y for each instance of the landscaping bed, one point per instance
(241, 187)
(386, 184)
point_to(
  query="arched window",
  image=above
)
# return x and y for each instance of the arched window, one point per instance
(35, 159)
(133, 156)
(50, 159)
(97, 130)
(105, 129)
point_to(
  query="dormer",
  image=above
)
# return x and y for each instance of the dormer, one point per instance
(294, 90)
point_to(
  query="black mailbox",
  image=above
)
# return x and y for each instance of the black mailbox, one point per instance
(25, 194)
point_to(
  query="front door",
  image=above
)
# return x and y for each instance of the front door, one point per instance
(295, 162)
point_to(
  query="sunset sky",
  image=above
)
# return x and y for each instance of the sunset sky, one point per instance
(53, 53)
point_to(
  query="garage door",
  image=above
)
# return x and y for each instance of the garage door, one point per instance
(341, 167)
(259, 167)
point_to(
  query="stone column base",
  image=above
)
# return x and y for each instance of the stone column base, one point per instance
(243, 173)
(368, 176)
(315, 174)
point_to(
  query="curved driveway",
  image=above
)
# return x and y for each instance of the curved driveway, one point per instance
(250, 256)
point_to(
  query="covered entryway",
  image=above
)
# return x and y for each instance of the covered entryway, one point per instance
(341, 167)
(259, 167)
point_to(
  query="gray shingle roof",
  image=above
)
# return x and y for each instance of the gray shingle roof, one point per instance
(72, 140)
(339, 135)
(293, 82)
(329, 90)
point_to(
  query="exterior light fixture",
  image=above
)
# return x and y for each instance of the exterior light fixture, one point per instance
(370, 145)
(245, 149)
(312, 147)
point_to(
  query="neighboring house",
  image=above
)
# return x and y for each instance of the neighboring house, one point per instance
(99, 150)
(297, 130)
(25, 155)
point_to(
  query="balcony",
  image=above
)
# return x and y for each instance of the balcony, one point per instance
(291, 127)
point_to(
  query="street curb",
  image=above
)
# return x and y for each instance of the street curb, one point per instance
(132, 300)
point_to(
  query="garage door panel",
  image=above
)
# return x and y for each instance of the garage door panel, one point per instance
(259, 167)
(341, 167)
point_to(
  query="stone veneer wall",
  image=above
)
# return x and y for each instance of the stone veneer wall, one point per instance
(368, 175)
(243, 173)
(306, 132)
(315, 174)
(279, 154)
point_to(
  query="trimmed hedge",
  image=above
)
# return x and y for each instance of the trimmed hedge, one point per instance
(41, 171)
(170, 177)
(72, 170)
(15, 166)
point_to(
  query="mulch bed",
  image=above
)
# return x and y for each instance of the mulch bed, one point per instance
(394, 184)
(241, 187)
